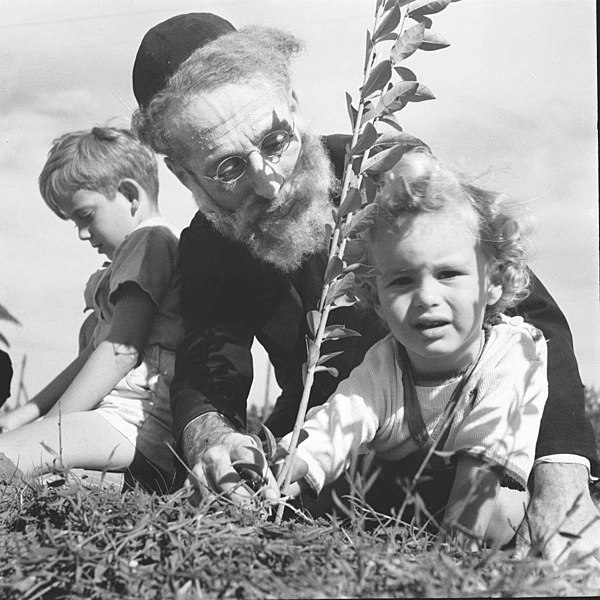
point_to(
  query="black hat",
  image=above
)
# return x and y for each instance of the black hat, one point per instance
(167, 45)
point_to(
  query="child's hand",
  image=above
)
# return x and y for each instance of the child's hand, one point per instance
(27, 413)
(297, 482)
(8, 421)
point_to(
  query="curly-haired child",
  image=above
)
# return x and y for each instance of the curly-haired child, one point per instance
(454, 374)
(109, 409)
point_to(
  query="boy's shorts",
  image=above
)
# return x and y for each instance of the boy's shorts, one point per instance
(138, 407)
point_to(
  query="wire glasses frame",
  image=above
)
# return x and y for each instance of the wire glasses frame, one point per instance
(272, 146)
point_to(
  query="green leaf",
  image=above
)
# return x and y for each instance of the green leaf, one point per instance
(365, 140)
(389, 23)
(368, 48)
(384, 160)
(334, 268)
(423, 93)
(571, 536)
(329, 356)
(271, 442)
(6, 316)
(425, 20)
(352, 112)
(407, 43)
(369, 112)
(331, 370)
(405, 74)
(380, 75)
(388, 37)
(392, 121)
(344, 301)
(340, 287)
(361, 221)
(351, 203)
(370, 188)
(433, 41)
(398, 3)
(338, 332)
(313, 318)
(354, 251)
(312, 352)
(427, 7)
(397, 98)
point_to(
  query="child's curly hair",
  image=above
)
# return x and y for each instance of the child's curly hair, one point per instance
(418, 183)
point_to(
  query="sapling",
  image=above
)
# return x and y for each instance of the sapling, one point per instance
(388, 86)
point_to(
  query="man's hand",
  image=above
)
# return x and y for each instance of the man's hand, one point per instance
(226, 462)
(564, 523)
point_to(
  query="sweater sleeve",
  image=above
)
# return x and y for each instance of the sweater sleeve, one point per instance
(348, 422)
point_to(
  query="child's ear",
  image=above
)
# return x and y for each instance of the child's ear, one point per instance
(130, 189)
(494, 291)
(494, 294)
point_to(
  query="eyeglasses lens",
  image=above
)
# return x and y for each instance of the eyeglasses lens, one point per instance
(273, 145)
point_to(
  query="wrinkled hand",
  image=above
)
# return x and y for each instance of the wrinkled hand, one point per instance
(235, 468)
(561, 504)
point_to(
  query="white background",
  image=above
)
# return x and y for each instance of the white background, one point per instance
(516, 102)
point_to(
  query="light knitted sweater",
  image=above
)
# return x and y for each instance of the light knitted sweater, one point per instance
(497, 419)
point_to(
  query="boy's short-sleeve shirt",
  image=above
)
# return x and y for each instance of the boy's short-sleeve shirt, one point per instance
(148, 257)
(497, 419)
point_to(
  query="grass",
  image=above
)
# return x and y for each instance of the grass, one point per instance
(67, 541)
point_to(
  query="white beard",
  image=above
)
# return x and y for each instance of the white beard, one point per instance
(290, 227)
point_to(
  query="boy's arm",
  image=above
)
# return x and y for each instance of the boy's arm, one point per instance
(42, 402)
(114, 357)
(472, 498)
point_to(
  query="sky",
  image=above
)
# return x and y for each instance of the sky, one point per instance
(516, 106)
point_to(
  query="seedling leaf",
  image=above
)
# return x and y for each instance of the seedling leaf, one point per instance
(407, 43)
(380, 75)
(428, 7)
(389, 23)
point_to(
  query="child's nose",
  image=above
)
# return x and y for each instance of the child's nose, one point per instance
(426, 294)
(84, 233)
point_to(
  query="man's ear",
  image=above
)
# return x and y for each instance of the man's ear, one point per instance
(130, 189)
(179, 172)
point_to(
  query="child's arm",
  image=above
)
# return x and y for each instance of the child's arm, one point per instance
(116, 356)
(473, 496)
(42, 402)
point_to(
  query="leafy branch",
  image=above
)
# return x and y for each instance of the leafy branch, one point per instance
(370, 153)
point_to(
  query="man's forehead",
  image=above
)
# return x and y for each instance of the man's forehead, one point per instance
(235, 107)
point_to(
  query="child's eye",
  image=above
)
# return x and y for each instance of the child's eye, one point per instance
(449, 274)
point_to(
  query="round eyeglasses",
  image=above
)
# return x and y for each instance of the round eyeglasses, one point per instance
(272, 146)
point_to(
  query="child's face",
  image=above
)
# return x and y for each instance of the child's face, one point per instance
(433, 288)
(103, 222)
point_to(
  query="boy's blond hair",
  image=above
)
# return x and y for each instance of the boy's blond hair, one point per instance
(98, 159)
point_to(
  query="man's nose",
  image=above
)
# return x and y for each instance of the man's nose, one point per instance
(264, 176)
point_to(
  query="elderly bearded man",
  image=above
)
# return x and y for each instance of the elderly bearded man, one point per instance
(253, 258)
